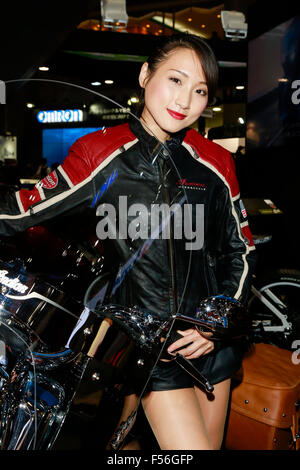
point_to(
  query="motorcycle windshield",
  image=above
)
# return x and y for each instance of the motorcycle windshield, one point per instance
(123, 226)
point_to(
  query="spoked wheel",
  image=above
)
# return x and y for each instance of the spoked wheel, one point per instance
(275, 308)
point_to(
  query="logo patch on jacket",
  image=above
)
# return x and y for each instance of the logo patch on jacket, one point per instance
(243, 210)
(183, 183)
(50, 181)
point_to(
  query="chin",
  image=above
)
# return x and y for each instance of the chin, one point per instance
(178, 128)
(175, 127)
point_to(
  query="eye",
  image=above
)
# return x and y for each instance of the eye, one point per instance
(175, 80)
(201, 92)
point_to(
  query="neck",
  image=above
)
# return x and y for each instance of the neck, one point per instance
(153, 130)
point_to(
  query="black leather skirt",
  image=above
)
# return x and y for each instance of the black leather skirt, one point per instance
(216, 366)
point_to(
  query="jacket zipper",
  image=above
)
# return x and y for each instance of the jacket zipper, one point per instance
(170, 244)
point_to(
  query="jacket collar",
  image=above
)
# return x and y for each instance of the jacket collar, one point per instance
(141, 133)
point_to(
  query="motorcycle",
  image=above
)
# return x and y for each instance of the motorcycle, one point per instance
(48, 340)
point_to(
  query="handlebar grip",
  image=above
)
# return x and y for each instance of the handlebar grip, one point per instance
(103, 328)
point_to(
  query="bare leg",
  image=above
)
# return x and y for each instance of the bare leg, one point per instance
(176, 420)
(214, 411)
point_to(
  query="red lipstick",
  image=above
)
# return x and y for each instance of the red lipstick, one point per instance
(176, 115)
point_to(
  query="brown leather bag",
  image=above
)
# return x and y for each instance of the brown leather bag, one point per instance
(265, 403)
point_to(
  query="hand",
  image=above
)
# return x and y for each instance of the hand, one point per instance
(196, 344)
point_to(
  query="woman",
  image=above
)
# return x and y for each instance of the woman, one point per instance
(160, 161)
(178, 82)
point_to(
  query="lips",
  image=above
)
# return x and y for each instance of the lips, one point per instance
(176, 115)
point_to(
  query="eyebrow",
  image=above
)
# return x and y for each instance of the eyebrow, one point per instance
(186, 75)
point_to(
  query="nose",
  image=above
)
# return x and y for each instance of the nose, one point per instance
(183, 98)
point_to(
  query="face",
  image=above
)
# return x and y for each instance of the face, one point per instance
(175, 94)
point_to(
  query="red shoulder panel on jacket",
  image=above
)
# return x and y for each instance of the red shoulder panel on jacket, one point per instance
(89, 151)
(216, 156)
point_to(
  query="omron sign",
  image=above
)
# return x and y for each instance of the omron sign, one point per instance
(63, 115)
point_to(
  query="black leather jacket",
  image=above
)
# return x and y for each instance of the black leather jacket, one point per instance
(158, 274)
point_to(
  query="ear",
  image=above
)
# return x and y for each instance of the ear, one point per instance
(144, 72)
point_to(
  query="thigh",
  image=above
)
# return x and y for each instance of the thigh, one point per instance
(214, 410)
(176, 419)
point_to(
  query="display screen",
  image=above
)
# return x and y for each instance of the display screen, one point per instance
(56, 142)
(273, 108)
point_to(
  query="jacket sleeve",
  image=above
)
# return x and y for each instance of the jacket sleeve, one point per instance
(68, 187)
(236, 251)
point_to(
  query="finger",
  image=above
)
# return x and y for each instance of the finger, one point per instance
(198, 347)
(190, 348)
(185, 341)
(196, 332)
(200, 352)
(189, 331)
(180, 343)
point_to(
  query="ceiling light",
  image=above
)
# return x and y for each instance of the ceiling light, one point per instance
(30, 105)
(134, 99)
(241, 120)
(203, 26)
(109, 82)
(283, 79)
(44, 68)
(96, 83)
(217, 109)
(180, 25)
(239, 87)
(190, 19)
